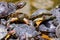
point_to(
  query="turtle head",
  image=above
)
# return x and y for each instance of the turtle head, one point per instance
(20, 5)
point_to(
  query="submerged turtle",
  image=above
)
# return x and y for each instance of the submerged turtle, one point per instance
(8, 8)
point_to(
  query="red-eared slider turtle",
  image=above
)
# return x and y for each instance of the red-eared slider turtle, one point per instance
(22, 31)
(8, 8)
(25, 31)
(39, 13)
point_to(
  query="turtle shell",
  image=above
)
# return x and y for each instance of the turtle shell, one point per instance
(25, 30)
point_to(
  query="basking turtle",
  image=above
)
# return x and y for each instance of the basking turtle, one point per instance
(9, 8)
(24, 31)
(40, 13)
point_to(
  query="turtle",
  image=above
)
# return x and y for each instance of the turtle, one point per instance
(40, 13)
(9, 8)
(20, 31)
(25, 31)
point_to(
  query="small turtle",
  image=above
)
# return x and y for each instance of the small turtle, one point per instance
(41, 15)
(40, 12)
(44, 18)
(9, 8)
